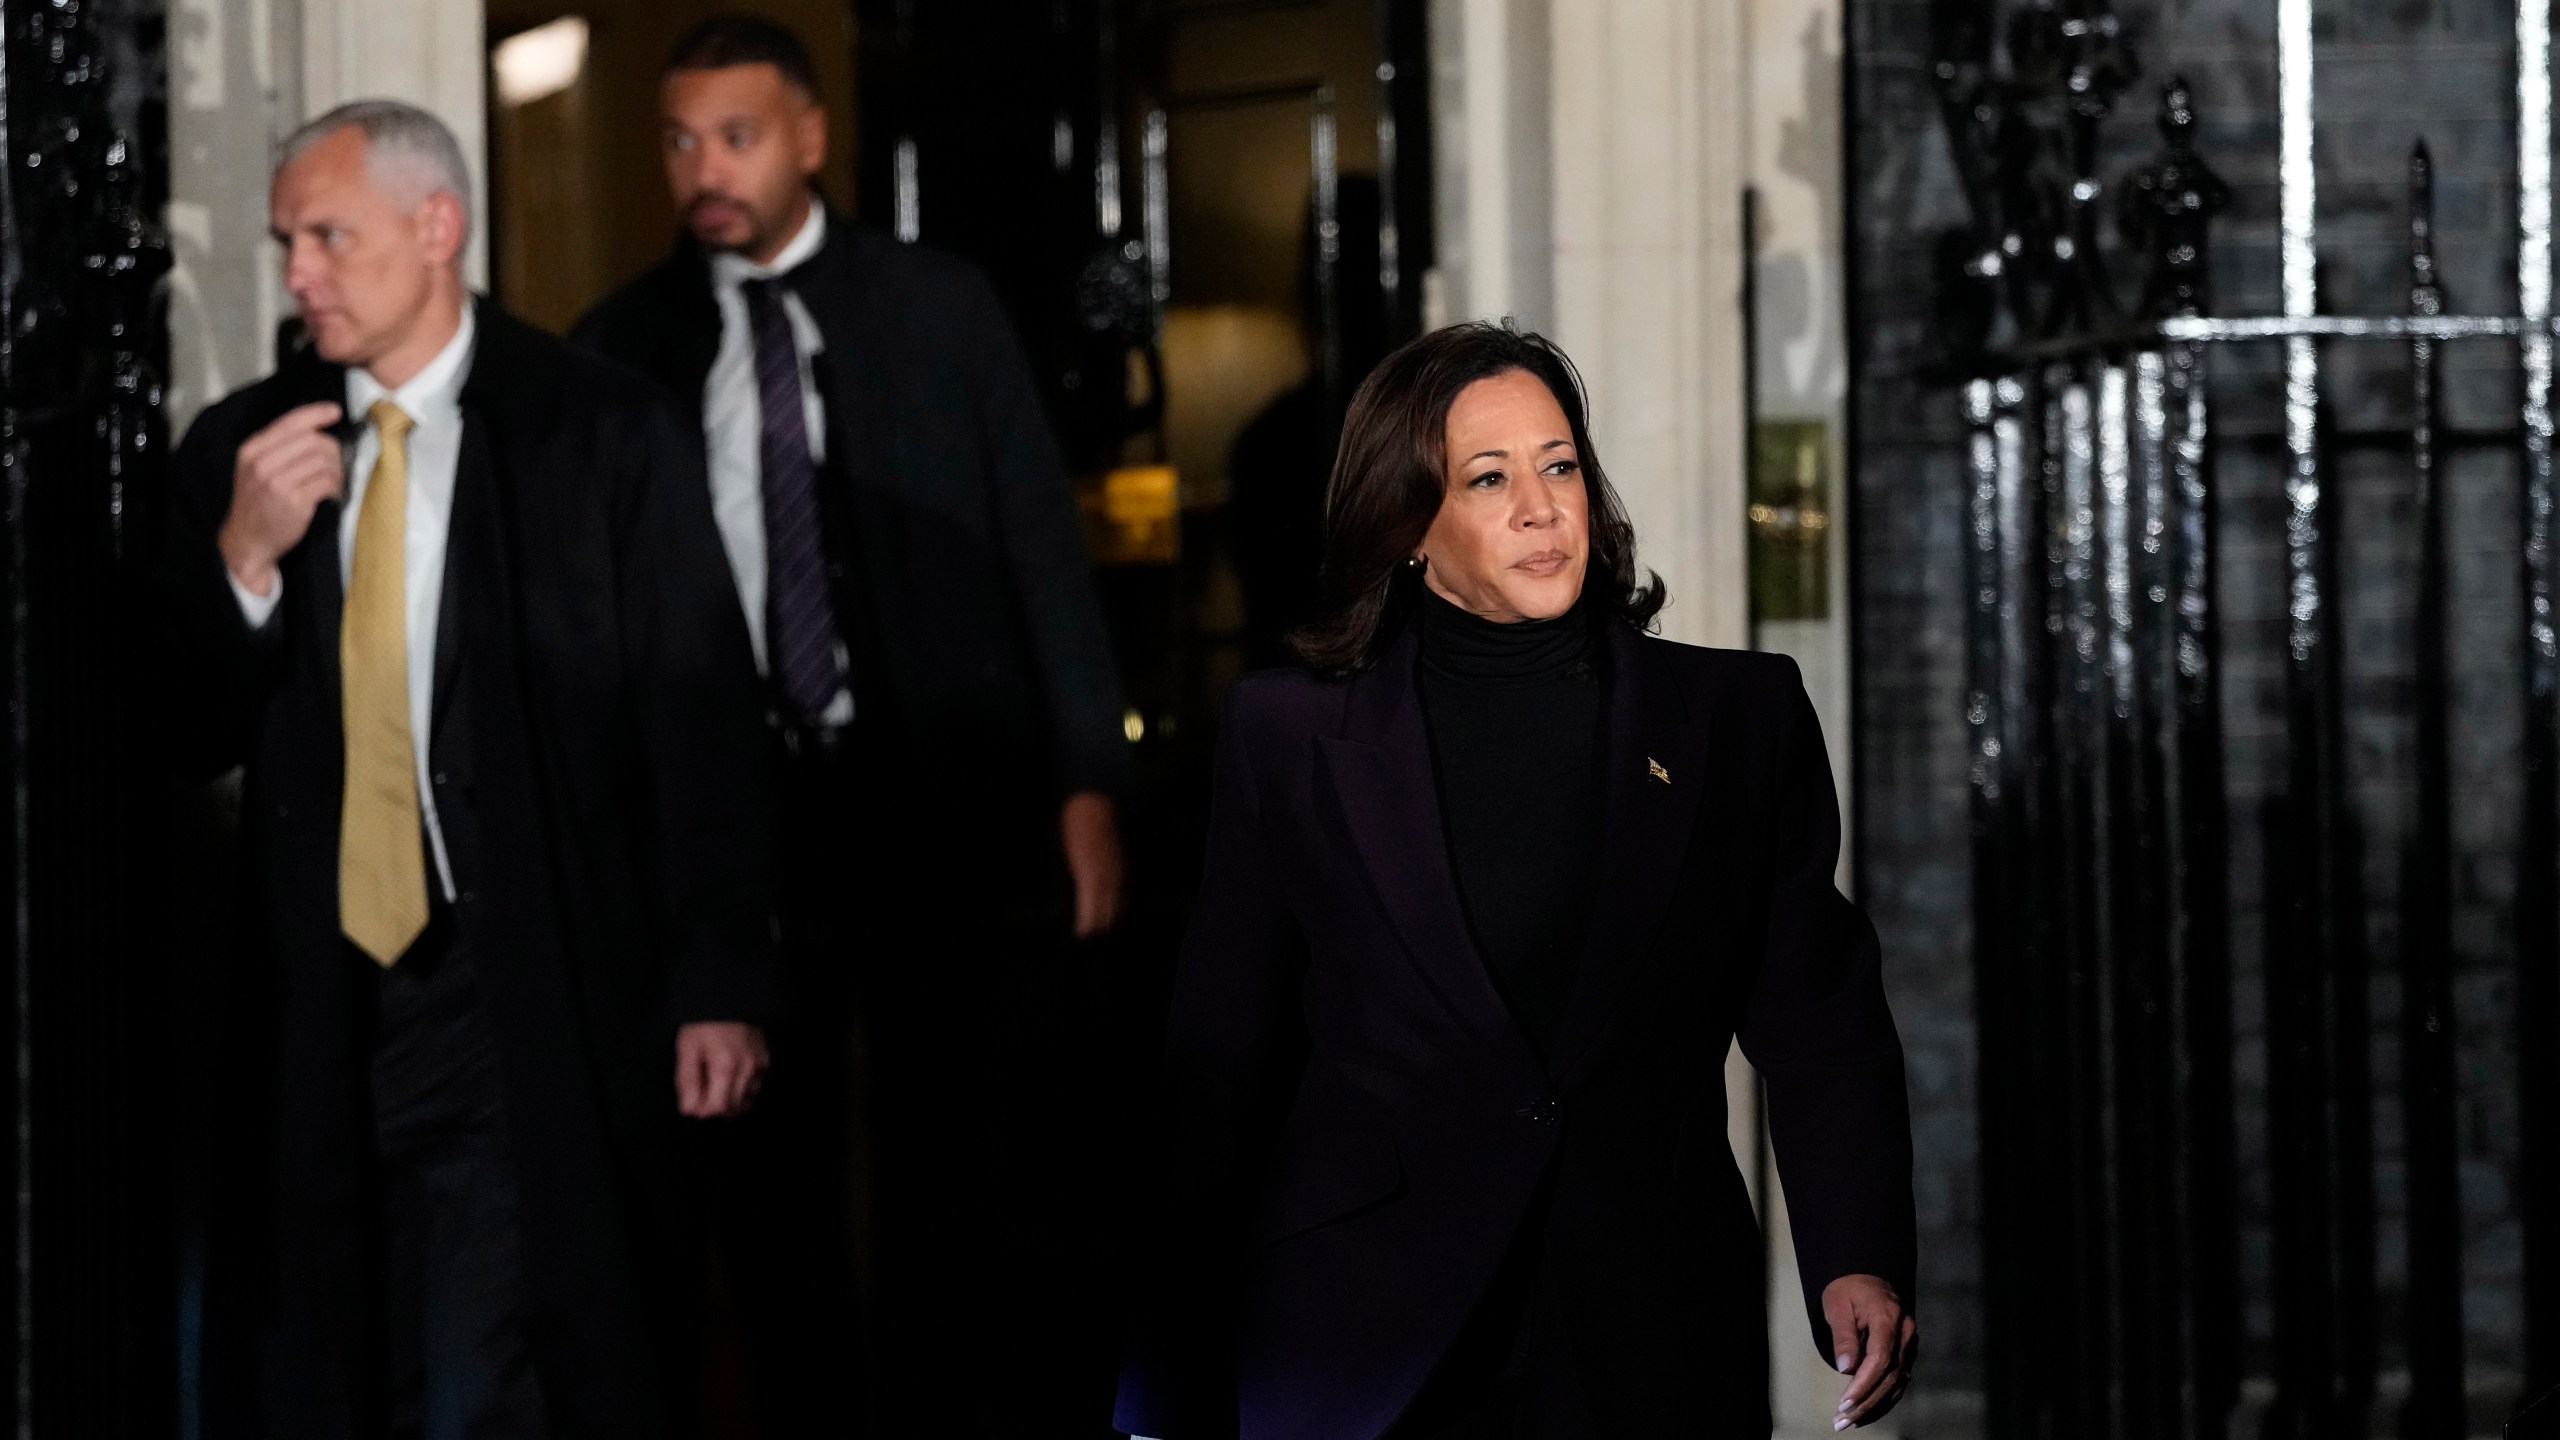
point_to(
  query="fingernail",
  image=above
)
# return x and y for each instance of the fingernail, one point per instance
(1844, 1406)
(1845, 1366)
(1840, 1424)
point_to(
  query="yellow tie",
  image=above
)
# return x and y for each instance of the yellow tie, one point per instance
(382, 863)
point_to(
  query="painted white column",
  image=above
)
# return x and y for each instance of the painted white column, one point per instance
(1649, 149)
(234, 90)
(1801, 284)
(1489, 81)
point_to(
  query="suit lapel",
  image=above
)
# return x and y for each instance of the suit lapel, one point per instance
(1382, 773)
(327, 588)
(512, 392)
(465, 538)
(868, 513)
(683, 349)
(831, 284)
(1653, 772)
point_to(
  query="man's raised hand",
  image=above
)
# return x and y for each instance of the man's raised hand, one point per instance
(279, 478)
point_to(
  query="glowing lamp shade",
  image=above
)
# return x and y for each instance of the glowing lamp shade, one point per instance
(544, 60)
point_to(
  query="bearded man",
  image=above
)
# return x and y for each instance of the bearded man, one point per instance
(947, 723)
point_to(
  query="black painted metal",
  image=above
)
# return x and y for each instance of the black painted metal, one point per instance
(2317, 983)
(2011, 796)
(2196, 905)
(2023, 101)
(2166, 209)
(1994, 774)
(82, 176)
(2537, 972)
(2434, 1408)
(2103, 989)
(1406, 233)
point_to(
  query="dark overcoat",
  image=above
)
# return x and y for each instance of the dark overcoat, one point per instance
(599, 772)
(959, 550)
(1359, 1127)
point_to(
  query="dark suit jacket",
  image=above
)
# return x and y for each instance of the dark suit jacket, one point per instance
(1359, 1126)
(599, 772)
(968, 559)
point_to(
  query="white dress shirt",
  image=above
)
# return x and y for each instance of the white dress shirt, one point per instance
(433, 400)
(733, 422)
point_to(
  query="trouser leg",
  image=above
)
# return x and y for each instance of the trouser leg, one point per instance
(461, 1363)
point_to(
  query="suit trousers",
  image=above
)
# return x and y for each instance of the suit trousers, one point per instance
(460, 1365)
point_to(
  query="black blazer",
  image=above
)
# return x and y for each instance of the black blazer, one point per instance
(969, 556)
(599, 768)
(1358, 1126)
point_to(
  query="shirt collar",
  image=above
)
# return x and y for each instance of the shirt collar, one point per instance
(730, 268)
(433, 394)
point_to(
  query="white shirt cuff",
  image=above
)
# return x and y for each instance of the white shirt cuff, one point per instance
(256, 609)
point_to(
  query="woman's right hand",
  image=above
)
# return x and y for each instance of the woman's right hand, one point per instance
(1874, 1341)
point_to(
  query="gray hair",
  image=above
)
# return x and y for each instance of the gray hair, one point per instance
(409, 151)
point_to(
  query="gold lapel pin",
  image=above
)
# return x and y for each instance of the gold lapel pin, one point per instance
(1658, 772)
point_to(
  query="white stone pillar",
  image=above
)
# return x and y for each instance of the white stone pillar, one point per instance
(1801, 285)
(1649, 156)
(1489, 84)
(234, 90)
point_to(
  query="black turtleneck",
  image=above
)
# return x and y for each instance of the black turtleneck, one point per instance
(1514, 715)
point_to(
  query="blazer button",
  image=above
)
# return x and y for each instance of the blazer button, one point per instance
(466, 897)
(1542, 1112)
(440, 781)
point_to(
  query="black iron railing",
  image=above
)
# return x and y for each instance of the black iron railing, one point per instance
(2102, 900)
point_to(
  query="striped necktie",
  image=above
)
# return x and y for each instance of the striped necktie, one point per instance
(801, 640)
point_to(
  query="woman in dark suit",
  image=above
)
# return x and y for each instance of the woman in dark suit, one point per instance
(1491, 886)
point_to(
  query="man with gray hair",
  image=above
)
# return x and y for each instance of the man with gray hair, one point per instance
(453, 595)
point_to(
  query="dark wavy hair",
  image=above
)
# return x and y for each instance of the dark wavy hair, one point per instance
(1389, 477)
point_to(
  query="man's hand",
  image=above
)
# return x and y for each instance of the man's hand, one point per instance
(1874, 1341)
(719, 1067)
(280, 476)
(1089, 828)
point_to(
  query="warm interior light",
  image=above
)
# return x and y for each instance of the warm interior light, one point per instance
(544, 60)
